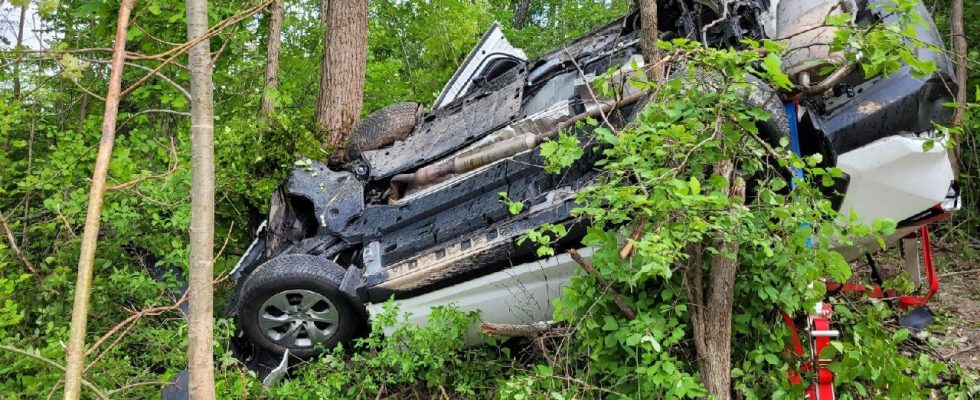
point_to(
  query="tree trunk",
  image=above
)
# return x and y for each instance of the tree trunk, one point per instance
(272, 60)
(83, 107)
(962, 72)
(520, 18)
(201, 314)
(711, 311)
(649, 34)
(20, 41)
(338, 105)
(90, 236)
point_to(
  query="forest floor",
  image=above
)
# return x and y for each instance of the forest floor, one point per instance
(954, 336)
(958, 304)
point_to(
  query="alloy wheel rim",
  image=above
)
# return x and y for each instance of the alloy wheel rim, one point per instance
(298, 318)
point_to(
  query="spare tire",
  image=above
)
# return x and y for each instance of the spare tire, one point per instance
(384, 127)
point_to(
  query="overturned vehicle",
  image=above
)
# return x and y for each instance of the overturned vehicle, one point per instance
(415, 215)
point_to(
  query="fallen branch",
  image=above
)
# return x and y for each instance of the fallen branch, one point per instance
(136, 385)
(86, 91)
(111, 345)
(147, 69)
(132, 319)
(588, 86)
(616, 298)
(538, 332)
(507, 330)
(961, 351)
(954, 273)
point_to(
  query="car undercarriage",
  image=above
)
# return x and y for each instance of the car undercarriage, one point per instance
(418, 218)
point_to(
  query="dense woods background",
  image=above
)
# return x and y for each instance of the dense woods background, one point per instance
(53, 75)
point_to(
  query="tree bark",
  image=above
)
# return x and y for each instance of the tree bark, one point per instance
(711, 310)
(83, 106)
(507, 330)
(20, 41)
(272, 60)
(649, 34)
(625, 308)
(12, 242)
(90, 236)
(520, 18)
(962, 72)
(338, 105)
(201, 314)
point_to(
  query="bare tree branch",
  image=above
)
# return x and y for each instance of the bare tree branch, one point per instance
(13, 245)
(625, 308)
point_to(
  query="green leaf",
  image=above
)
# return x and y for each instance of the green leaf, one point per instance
(45, 7)
(772, 64)
(900, 335)
(609, 323)
(841, 19)
(695, 186)
(884, 226)
(653, 342)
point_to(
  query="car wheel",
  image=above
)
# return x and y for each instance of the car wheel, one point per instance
(294, 302)
(384, 127)
(765, 97)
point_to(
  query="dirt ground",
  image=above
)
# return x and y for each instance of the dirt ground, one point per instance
(955, 334)
(959, 298)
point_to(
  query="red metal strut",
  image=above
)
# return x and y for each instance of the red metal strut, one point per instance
(818, 323)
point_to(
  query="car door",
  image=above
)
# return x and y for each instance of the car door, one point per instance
(491, 57)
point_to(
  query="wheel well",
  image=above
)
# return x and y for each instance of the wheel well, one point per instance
(305, 213)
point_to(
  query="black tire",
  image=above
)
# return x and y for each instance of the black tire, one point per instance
(289, 273)
(383, 127)
(764, 97)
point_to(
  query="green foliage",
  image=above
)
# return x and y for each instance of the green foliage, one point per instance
(415, 46)
(663, 169)
(551, 23)
(883, 47)
(514, 207)
(542, 237)
(870, 364)
(561, 153)
(654, 169)
(10, 313)
(967, 135)
(47, 149)
(401, 357)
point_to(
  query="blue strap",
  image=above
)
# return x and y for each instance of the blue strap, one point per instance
(794, 145)
(794, 138)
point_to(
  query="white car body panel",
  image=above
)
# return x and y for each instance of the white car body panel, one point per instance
(894, 178)
(518, 295)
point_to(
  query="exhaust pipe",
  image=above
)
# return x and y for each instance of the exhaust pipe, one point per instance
(464, 163)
